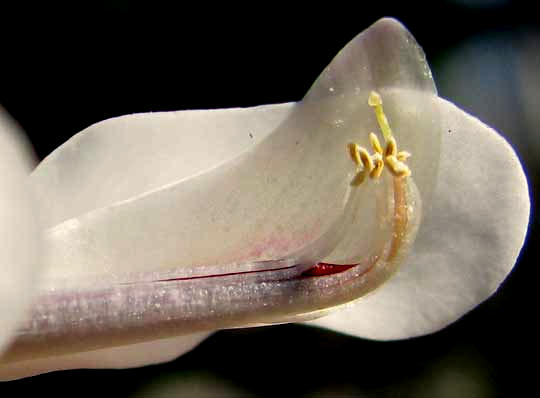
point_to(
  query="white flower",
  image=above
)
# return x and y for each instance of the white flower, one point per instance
(19, 230)
(161, 228)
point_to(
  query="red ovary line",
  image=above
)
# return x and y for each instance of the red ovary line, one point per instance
(324, 269)
(320, 269)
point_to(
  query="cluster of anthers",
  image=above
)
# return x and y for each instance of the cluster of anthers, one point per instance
(373, 165)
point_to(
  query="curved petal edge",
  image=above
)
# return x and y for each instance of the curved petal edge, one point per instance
(128, 356)
(467, 245)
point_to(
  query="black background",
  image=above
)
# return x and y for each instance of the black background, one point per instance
(66, 67)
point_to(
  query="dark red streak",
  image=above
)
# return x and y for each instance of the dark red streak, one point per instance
(227, 274)
(320, 269)
(324, 269)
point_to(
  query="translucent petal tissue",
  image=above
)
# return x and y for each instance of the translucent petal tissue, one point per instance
(467, 245)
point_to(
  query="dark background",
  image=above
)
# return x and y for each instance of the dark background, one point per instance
(66, 67)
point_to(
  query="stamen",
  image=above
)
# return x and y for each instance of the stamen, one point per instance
(379, 165)
(391, 147)
(361, 156)
(359, 178)
(402, 156)
(354, 151)
(373, 165)
(397, 168)
(366, 159)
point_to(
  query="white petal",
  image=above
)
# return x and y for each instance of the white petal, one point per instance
(122, 157)
(134, 210)
(129, 356)
(18, 228)
(466, 246)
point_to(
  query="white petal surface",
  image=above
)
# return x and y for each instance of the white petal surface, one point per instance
(466, 246)
(122, 157)
(18, 228)
(122, 190)
(128, 356)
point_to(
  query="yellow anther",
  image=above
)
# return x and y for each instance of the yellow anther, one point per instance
(375, 144)
(366, 159)
(354, 151)
(379, 166)
(391, 147)
(361, 156)
(375, 101)
(397, 168)
(402, 156)
(373, 165)
(359, 178)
